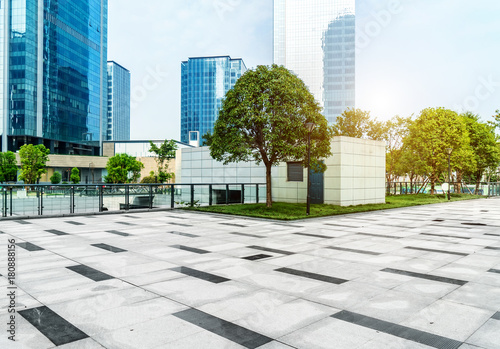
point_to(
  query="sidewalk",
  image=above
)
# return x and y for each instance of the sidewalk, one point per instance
(418, 277)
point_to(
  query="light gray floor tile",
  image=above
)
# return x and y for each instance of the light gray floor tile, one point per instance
(487, 336)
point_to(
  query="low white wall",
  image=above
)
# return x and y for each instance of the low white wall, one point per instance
(355, 173)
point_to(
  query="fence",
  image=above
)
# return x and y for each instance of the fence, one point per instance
(39, 200)
(402, 188)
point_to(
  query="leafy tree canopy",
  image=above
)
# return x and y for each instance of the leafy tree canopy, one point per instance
(123, 168)
(8, 167)
(56, 178)
(164, 153)
(431, 134)
(75, 175)
(263, 118)
(33, 162)
(358, 123)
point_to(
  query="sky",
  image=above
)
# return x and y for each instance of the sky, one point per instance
(411, 54)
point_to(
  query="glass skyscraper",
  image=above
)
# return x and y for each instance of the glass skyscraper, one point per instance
(204, 83)
(53, 74)
(316, 40)
(118, 127)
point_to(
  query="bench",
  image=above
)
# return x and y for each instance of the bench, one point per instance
(139, 202)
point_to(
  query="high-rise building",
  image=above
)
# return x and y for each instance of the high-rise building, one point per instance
(316, 40)
(53, 74)
(118, 127)
(204, 83)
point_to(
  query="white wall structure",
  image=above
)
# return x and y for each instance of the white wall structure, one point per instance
(355, 173)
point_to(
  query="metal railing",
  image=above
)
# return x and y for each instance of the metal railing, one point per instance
(39, 200)
(403, 188)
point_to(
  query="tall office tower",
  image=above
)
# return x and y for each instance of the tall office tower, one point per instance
(204, 83)
(316, 40)
(118, 128)
(53, 74)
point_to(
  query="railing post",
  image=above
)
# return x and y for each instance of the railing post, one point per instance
(257, 193)
(101, 198)
(172, 196)
(4, 211)
(243, 193)
(41, 201)
(227, 194)
(72, 200)
(150, 196)
(127, 198)
(192, 195)
(10, 206)
(210, 197)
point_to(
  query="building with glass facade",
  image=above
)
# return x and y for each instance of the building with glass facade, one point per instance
(118, 126)
(53, 74)
(204, 83)
(316, 40)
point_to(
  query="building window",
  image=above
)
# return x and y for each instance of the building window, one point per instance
(295, 172)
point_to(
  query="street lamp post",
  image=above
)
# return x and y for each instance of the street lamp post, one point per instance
(310, 126)
(449, 150)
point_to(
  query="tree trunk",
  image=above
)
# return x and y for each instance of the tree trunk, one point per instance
(433, 182)
(269, 198)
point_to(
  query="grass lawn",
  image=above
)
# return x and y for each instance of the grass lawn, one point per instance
(286, 211)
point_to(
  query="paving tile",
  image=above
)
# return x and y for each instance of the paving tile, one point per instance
(487, 335)
(477, 295)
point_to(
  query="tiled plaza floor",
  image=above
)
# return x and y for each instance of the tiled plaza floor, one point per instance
(420, 277)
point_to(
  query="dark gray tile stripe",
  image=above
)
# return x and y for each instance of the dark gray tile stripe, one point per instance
(381, 236)
(289, 225)
(176, 217)
(257, 257)
(200, 275)
(437, 251)
(315, 235)
(497, 271)
(493, 248)
(353, 250)
(475, 224)
(446, 236)
(56, 232)
(235, 225)
(183, 234)
(129, 216)
(29, 246)
(109, 248)
(240, 335)
(249, 235)
(271, 250)
(489, 234)
(343, 225)
(306, 274)
(90, 273)
(425, 276)
(404, 332)
(450, 226)
(125, 223)
(116, 232)
(20, 221)
(190, 249)
(74, 223)
(180, 224)
(496, 316)
(52, 326)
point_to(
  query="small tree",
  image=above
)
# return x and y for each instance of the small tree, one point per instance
(263, 118)
(33, 162)
(75, 175)
(164, 153)
(56, 178)
(358, 123)
(149, 179)
(8, 167)
(123, 168)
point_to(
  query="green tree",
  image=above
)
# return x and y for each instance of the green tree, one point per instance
(164, 153)
(358, 123)
(484, 144)
(434, 131)
(8, 167)
(263, 118)
(75, 175)
(123, 168)
(396, 129)
(56, 178)
(33, 162)
(149, 179)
